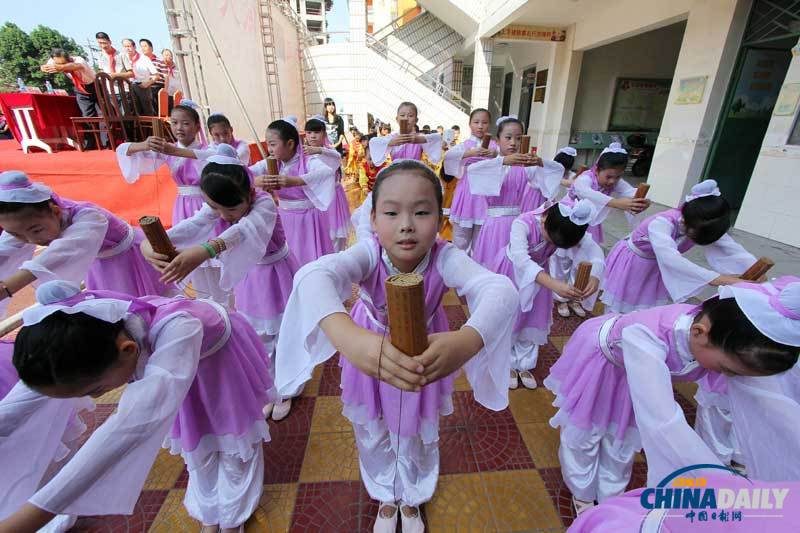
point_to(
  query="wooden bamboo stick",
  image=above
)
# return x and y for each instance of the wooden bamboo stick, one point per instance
(405, 127)
(641, 191)
(272, 166)
(405, 303)
(524, 144)
(485, 141)
(759, 268)
(583, 274)
(581, 170)
(157, 236)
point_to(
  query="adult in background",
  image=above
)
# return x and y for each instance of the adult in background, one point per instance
(82, 76)
(144, 75)
(111, 61)
(146, 47)
(172, 78)
(334, 125)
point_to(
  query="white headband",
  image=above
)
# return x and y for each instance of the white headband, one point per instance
(226, 155)
(614, 148)
(291, 119)
(704, 188)
(581, 213)
(569, 150)
(772, 307)
(318, 117)
(503, 119)
(64, 296)
(15, 186)
(191, 104)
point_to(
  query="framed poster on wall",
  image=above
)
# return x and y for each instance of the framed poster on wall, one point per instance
(639, 104)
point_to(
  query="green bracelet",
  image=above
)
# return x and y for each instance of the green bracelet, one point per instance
(210, 249)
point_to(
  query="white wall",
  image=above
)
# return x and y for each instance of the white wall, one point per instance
(650, 55)
(516, 58)
(770, 205)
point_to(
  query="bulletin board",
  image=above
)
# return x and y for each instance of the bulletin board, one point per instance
(639, 104)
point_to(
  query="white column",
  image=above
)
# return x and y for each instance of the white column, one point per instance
(710, 44)
(770, 205)
(562, 88)
(481, 73)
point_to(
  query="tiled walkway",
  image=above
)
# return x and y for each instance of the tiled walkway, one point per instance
(499, 471)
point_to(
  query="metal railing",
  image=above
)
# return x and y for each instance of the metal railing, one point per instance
(426, 78)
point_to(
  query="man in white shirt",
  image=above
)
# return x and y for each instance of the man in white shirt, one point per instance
(111, 61)
(145, 74)
(82, 76)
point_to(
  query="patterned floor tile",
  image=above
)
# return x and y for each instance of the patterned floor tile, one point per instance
(111, 397)
(566, 326)
(520, 502)
(450, 298)
(298, 422)
(548, 355)
(165, 472)
(331, 380)
(559, 494)
(332, 506)
(466, 411)
(461, 383)
(283, 458)
(144, 513)
(459, 504)
(499, 448)
(330, 457)
(173, 515)
(689, 408)
(558, 341)
(638, 476)
(542, 442)
(530, 406)
(687, 389)
(455, 452)
(312, 386)
(328, 416)
(274, 512)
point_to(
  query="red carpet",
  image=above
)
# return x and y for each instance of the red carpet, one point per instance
(95, 177)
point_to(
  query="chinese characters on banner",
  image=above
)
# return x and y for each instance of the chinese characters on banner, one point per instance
(521, 32)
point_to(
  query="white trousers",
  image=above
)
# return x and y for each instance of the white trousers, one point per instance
(595, 470)
(564, 268)
(524, 355)
(225, 490)
(406, 471)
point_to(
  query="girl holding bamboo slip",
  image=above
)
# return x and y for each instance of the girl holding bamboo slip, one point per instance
(305, 187)
(394, 401)
(535, 237)
(647, 267)
(503, 181)
(468, 211)
(241, 228)
(83, 241)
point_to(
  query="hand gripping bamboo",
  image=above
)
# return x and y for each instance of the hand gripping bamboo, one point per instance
(272, 166)
(641, 191)
(157, 236)
(405, 303)
(485, 141)
(758, 269)
(524, 144)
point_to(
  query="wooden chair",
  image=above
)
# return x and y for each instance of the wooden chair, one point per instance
(105, 123)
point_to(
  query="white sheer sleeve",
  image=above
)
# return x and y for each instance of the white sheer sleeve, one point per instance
(126, 445)
(378, 147)
(728, 256)
(682, 278)
(320, 184)
(486, 177)
(493, 304)
(546, 178)
(361, 219)
(318, 291)
(32, 428)
(331, 158)
(453, 160)
(194, 230)
(766, 418)
(246, 241)
(13, 252)
(259, 168)
(243, 152)
(433, 147)
(69, 256)
(583, 190)
(591, 252)
(525, 269)
(668, 440)
(133, 166)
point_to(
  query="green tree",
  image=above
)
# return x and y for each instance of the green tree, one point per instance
(22, 54)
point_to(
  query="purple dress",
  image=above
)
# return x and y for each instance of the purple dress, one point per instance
(119, 265)
(365, 398)
(501, 212)
(589, 379)
(534, 324)
(468, 209)
(633, 278)
(8, 374)
(307, 228)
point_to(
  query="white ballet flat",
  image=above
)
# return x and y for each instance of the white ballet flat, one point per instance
(267, 410)
(563, 310)
(383, 524)
(577, 308)
(581, 506)
(513, 382)
(411, 524)
(527, 379)
(281, 409)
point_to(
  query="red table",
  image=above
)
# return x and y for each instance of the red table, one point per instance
(40, 120)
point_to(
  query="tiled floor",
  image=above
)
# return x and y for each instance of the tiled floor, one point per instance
(499, 471)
